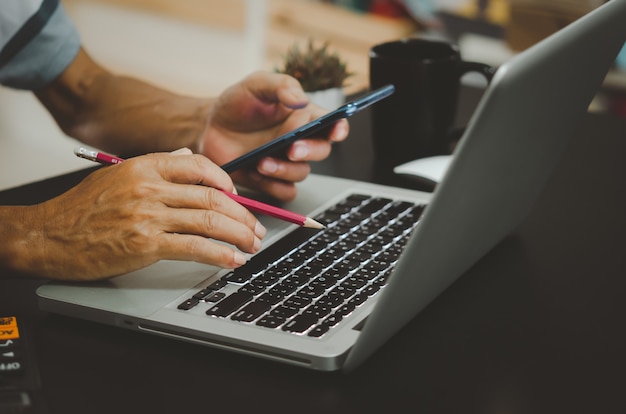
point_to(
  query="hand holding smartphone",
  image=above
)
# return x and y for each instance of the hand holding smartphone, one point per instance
(307, 130)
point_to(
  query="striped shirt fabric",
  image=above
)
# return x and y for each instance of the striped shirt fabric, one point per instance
(37, 42)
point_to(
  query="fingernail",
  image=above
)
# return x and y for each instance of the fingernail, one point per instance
(298, 95)
(181, 151)
(300, 151)
(257, 244)
(268, 166)
(260, 230)
(341, 131)
(239, 258)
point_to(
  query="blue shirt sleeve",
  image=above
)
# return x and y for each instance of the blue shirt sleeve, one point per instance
(45, 54)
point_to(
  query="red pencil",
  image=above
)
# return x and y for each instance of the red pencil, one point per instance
(253, 205)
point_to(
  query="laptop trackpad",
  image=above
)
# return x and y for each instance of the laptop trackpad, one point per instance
(137, 293)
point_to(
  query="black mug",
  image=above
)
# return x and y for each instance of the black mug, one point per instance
(417, 121)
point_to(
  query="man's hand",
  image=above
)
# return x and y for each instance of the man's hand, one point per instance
(262, 107)
(126, 216)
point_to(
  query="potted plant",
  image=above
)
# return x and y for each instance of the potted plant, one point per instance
(321, 73)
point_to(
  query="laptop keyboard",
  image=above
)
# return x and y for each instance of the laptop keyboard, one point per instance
(309, 280)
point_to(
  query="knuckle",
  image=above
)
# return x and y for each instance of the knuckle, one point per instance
(212, 200)
(196, 249)
(247, 241)
(209, 221)
(138, 240)
(192, 247)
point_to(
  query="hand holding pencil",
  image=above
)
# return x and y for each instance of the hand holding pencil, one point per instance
(253, 205)
(142, 211)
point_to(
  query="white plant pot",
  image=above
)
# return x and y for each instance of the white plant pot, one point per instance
(328, 98)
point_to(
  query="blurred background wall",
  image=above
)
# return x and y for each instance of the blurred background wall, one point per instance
(200, 47)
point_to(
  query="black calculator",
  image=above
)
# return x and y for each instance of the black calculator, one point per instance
(20, 385)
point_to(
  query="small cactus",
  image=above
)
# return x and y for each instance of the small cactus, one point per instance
(315, 67)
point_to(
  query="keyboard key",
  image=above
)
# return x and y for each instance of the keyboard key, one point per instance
(367, 273)
(309, 271)
(354, 282)
(374, 205)
(284, 311)
(378, 264)
(318, 310)
(334, 253)
(311, 291)
(218, 284)
(283, 288)
(251, 311)
(229, 304)
(251, 288)
(300, 323)
(271, 321)
(326, 238)
(344, 292)
(265, 279)
(297, 279)
(333, 319)
(238, 276)
(398, 207)
(277, 272)
(318, 331)
(357, 300)
(337, 272)
(188, 304)
(203, 293)
(345, 310)
(345, 266)
(323, 261)
(297, 301)
(323, 282)
(330, 300)
(271, 297)
(370, 290)
(216, 297)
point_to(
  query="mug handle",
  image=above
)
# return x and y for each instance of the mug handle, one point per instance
(482, 68)
(454, 134)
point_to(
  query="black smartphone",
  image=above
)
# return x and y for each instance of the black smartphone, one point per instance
(309, 129)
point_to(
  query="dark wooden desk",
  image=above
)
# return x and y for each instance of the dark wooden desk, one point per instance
(537, 326)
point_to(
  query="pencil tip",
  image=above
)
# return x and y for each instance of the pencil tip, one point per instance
(309, 222)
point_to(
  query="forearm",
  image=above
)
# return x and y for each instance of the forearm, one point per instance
(120, 114)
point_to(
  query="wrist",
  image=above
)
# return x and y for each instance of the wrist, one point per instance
(199, 124)
(22, 236)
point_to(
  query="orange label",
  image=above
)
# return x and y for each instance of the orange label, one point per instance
(8, 328)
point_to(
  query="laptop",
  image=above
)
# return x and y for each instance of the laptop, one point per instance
(328, 299)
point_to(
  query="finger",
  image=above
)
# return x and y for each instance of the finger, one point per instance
(192, 169)
(309, 150)
(199, 249)
(187, 151)
(206, 199)
(277, 87)
(279, 189)
(284, 170)
(215, 225)
(340, 131)
(318, 148)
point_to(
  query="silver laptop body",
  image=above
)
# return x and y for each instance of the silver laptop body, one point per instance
(515, 138)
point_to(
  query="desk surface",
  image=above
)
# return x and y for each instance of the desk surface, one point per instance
(536, 326)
